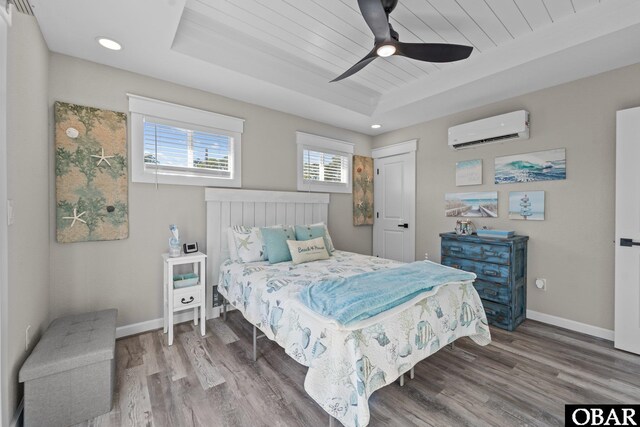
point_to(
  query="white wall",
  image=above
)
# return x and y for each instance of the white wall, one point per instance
(574, 247)
(128, 274)
(28, 186)
(4, 276)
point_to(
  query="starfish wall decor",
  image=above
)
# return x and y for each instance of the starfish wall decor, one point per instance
(102, 158)
(75, 217)
(91, 174)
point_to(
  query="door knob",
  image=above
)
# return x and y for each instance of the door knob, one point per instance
(628, 242)
(403, 225)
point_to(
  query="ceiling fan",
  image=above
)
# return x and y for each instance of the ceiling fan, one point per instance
(376, 14)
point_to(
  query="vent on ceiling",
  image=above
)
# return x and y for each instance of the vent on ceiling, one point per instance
(22, 6)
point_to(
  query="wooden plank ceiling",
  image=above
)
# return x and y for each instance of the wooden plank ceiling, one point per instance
(332, 35)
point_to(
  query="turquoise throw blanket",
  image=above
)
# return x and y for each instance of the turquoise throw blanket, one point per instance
(351, 299)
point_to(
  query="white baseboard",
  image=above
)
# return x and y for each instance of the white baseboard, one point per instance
(150, 325)
(17, 417)
(571, 325)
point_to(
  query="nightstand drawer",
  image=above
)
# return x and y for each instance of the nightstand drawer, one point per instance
(476, 251)
(186, 297)
(497, 314)
(485, 271)
(496, 292)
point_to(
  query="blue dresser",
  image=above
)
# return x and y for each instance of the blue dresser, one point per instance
(501, 267)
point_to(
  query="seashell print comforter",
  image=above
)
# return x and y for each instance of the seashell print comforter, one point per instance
(346, 365)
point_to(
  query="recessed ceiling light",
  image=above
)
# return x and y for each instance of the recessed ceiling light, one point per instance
(376, 126)
(386, 50)
(109, 43)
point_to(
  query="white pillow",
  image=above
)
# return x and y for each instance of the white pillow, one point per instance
(248, 243)
(331, 248)
(307, 250)
(231, 243)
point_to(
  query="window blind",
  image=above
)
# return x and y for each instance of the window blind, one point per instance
(175, 148)
(325, 167)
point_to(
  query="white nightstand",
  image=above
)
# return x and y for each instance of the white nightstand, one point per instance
(178, 299)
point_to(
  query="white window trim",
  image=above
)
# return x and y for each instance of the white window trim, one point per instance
(141, 107)
(327, 145)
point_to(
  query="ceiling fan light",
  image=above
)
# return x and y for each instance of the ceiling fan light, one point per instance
(386, 50)
(376, 126)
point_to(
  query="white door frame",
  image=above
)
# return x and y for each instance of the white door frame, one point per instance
(408, 147)
(5, 22)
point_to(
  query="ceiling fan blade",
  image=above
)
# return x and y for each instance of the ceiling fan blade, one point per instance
(376, 18)
(359, 66)
(434, 52)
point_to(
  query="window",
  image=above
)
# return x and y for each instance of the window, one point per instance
(324, 164)
(173, 144)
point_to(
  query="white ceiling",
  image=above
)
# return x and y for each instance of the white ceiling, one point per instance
(283, 53)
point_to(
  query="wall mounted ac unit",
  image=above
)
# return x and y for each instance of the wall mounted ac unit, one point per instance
(505, 127)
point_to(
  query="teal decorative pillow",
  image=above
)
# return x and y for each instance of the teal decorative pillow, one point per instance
(308, 232)
(330, 247)
(275, 242)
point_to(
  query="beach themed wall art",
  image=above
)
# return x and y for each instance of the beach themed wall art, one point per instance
(540, 166)
(472, 205)
(527, 205)
(362, 190)
(469, 172)
(91, 174)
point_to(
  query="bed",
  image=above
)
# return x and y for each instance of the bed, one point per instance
(346, 364)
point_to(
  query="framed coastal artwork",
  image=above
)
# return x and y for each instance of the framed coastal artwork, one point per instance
(362, 190)
(546, 165)
(526, 205)
(92, 201)
(469, 172)
(472, 205)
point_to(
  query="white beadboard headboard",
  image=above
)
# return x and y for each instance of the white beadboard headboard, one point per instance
(253, 208)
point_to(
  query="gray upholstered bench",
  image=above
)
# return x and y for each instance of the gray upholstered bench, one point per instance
(70, 375)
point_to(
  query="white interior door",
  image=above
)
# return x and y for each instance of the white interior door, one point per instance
(627, 289)
(394, 203)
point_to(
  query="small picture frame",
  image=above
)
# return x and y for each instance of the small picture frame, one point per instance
(469, 172)
(526, 205)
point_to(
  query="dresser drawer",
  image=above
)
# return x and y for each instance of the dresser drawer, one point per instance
(186, 297)
(496, 292)
(497, 314)
(485, 271)
(499, 254)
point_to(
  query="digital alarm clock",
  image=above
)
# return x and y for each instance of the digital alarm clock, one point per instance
(190, 248)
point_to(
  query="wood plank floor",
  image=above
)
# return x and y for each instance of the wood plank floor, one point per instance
(522, 378)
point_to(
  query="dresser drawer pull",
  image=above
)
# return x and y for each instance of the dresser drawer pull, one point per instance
(455, 266)
(490, 253)
(491, 273)
(455, 249)
(490, 292)
(489, 311)
(184, 301)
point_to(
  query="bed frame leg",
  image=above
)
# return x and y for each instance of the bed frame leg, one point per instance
(412, 373)
(255, 344)
(332, 422)
(224, 309)
(402, 380)
(452, 345)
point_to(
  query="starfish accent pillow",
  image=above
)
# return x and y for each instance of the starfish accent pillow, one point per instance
(248, 243)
